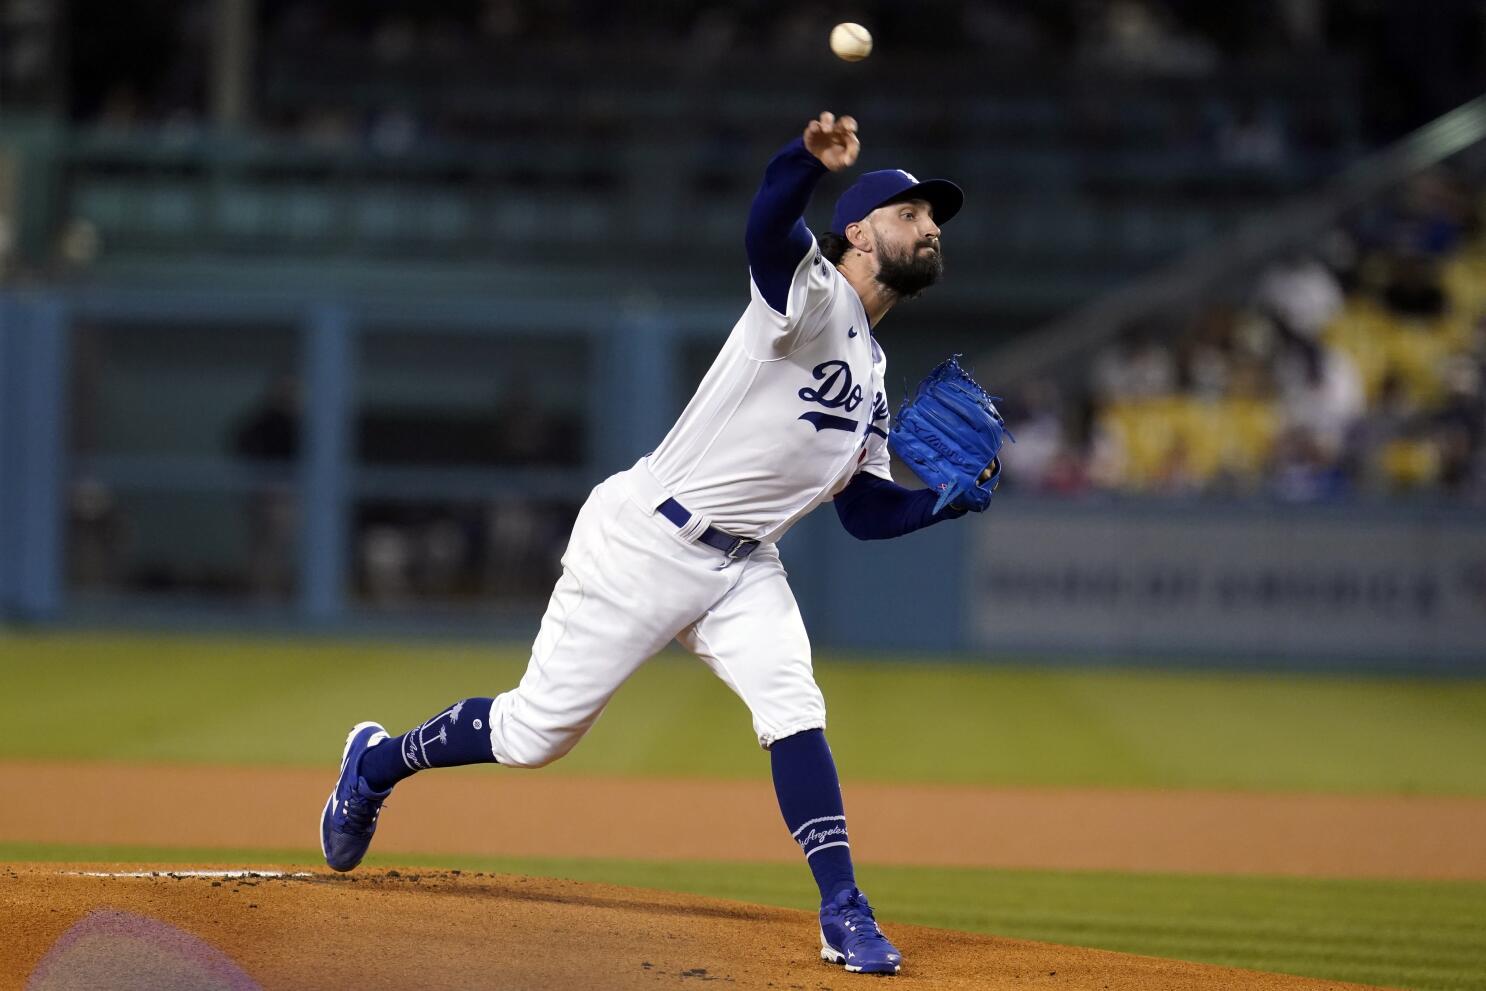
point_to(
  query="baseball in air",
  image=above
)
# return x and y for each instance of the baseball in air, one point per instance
(851, 42)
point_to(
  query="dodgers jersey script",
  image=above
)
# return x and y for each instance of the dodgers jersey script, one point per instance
(792, 407)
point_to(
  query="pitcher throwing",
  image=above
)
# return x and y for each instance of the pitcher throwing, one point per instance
(681, 545)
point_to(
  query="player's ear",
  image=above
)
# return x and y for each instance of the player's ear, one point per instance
(858, 238)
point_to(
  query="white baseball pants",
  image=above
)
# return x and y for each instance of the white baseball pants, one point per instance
(631, 583)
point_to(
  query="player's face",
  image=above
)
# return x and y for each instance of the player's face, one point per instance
(906, 245)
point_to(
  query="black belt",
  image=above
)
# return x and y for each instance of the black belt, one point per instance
(735, 548)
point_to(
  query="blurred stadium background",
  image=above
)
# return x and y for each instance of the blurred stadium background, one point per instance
(318, 320)
(327, 315)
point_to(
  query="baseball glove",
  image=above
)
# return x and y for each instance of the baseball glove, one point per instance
(950, 433)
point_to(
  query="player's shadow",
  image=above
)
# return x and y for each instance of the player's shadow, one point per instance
(493, 888)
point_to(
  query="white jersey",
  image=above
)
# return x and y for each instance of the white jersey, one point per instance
(792, 408)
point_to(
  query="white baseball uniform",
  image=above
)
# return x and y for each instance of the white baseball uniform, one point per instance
(792, 407)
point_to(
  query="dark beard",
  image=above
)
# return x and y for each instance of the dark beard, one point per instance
(908, 273)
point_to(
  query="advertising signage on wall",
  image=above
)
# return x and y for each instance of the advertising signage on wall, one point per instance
(1336, 584)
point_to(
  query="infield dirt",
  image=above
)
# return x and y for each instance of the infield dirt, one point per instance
(496, 812)
(420, 929)
(445, 929)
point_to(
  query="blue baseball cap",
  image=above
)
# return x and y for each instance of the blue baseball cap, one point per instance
(875, 189)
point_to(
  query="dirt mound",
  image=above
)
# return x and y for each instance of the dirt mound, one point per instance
(310, 929)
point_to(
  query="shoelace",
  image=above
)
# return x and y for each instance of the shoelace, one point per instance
(361, 815)
(859, 919)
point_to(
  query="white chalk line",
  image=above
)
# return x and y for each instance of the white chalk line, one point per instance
(223, 874)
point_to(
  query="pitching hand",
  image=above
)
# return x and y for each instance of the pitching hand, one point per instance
(833, 141)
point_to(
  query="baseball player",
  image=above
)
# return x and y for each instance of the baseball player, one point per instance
(681, 545)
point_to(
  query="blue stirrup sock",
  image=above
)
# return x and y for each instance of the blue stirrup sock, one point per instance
(457, 736)
(810, 799)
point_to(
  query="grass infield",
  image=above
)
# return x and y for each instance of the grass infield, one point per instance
(290, 701)
(1421, 935)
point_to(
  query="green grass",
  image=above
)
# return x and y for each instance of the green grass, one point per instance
(191, 699)
(1424, 935)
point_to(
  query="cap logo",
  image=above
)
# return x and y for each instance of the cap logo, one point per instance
(909, 176)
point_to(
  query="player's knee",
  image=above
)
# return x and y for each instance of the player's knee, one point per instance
(526, 761)
(799, 719)
(532, 752)
(526, 736)
(529, 748)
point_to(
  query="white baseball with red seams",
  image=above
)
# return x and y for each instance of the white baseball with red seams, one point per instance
(792, 407)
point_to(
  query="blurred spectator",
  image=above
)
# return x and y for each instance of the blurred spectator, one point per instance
(444, 555)
(1394, 417)
(1414, 289)
(1460, 426)
(1205, 358)
(1039, 434)
(1432, 215)
(1302, 471)
(270, 430)
(1321, 392)
(269, 433)
(1142, 36)
(1301, 293)
(384, 555)
(514, 545)
(1066, 473)
(1137, 366)
(1176, 476)
(1081, 453)
(1107, 462)
(95, 536)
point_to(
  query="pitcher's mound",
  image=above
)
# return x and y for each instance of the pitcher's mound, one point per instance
(61, 926)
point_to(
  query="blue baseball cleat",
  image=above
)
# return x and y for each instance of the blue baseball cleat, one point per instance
(350, 816)
(849, 935)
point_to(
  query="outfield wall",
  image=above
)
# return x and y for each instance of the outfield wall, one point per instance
(1311, 586)
(1330, 582)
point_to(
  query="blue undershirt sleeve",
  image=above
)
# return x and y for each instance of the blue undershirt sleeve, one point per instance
(872, 508)
(777, 239)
